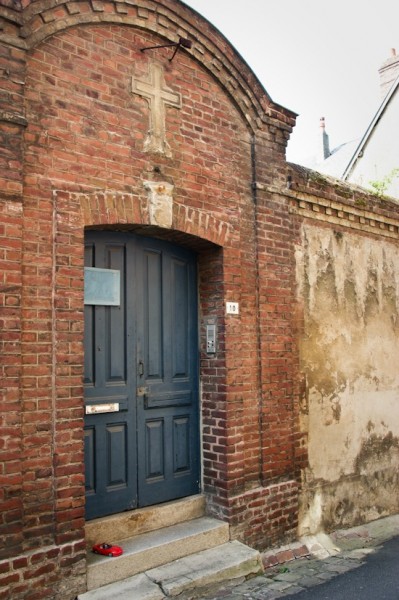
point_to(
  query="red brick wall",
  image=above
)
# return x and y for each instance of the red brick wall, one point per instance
(10, 370)
(80, 159)
(13, 67)
(71, 156)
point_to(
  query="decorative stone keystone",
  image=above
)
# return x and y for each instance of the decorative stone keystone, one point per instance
(160, 203)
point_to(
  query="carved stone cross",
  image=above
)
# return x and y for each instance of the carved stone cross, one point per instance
(159, 96)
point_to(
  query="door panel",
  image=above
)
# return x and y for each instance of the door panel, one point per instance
(153, 316)
(181, 444)
(90, 471)
(142, 357)
(110, 379)
(167, 339)
(180, 321)
(116, 441)
(154, 464)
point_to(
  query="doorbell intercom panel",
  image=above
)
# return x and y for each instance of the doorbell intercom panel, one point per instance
(211, 339)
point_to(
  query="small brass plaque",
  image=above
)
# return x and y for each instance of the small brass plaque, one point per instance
(95, 409)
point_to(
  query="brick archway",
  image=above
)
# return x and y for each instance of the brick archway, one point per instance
(77, 211)
(117, 208)
(44, 18)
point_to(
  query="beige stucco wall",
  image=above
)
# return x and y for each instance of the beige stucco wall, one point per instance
(349, 349)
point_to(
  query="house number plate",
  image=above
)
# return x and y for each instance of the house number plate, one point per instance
(95, 409)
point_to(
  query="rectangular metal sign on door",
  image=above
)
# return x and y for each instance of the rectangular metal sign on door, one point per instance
(141, 373)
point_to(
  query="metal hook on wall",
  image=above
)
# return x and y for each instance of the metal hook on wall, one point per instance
(182, 43)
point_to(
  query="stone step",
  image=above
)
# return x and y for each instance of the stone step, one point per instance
(186, 577)
(142, 520)
(155, 548)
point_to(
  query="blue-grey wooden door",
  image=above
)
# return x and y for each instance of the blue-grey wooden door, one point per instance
(141, 363)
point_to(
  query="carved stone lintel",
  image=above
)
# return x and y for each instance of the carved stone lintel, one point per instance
(160, 203)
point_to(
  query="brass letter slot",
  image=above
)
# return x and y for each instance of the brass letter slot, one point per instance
(94, 409)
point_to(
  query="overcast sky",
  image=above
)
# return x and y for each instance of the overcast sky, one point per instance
(318, 58)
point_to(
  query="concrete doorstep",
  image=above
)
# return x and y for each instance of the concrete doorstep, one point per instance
(155, 548)
(168, 550)
(189, 558)
(186, 577)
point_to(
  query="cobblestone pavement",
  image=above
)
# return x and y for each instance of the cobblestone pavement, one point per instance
(311, 563)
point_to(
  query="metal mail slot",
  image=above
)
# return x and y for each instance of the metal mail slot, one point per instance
(94, 409)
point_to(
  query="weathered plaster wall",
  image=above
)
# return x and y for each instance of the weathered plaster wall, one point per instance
(349, 286)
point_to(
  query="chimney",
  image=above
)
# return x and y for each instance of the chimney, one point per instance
(389, 71)
(325, 142)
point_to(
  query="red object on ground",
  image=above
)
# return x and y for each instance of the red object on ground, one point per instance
(107, 549)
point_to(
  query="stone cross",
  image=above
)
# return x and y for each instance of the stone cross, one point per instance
(159, 96)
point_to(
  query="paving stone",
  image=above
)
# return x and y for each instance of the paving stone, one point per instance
(299, 574)
(279, 585)
(361, 553)
(310, 581)
(326, 576)
(267, 595)
(302, 564)
(289, 577)
(294, 590)
(339, 568)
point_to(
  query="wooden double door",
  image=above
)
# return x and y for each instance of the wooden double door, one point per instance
(141, 374)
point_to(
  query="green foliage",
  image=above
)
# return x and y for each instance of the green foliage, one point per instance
(380, 186)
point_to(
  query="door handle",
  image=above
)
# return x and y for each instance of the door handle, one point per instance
(141, 368)
(143, 391)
